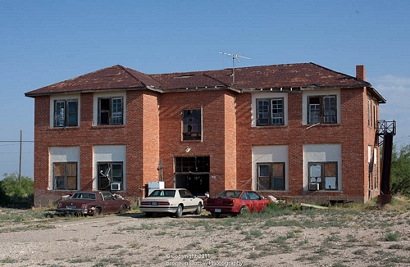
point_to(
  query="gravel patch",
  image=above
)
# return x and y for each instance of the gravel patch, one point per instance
(371, 238)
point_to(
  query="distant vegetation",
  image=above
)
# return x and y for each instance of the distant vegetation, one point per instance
(12, 194)
(400, 171)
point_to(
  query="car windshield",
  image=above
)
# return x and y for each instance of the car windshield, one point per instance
(230, 194)
(163, 193)
(81, 195)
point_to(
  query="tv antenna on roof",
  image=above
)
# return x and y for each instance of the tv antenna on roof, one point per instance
(234, 56)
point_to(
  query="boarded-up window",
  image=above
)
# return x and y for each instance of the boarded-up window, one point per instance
(323, 174)
(65, 175)
(271, 176)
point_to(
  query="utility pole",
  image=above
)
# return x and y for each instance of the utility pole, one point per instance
(21, 144)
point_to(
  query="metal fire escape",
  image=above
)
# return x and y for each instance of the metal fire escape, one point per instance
(385, 133)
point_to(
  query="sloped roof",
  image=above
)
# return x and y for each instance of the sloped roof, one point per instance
(115, 77)
(302, 75)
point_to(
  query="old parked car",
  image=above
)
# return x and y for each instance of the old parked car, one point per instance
(93, 203)
(175, 201)
(236, 202)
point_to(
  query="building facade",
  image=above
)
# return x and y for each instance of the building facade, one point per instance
(296, 131)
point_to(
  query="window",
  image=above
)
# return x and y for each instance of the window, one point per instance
(192, 164)
(369, 112)
(322, 109)
(110, 111)
(192, 125)
(109, 172)
(65, 175)
(270, 111)
(323, 176)
(271, 176)
(65, 113)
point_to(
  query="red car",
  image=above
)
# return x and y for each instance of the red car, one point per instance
(235, 202)
(93, 203)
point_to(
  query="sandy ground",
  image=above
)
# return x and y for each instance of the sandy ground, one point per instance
(133, 240)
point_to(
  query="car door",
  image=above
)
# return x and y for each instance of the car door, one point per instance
(256, 201)
(109, 205)
(187, 200)
(245, 200)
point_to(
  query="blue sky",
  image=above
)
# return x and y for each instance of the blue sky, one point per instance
(44, 42)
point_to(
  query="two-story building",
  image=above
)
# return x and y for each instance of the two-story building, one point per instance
(297, 131)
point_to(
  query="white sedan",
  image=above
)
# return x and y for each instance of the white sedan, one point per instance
(171, 200)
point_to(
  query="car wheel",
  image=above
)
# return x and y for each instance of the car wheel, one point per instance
(97, 211)
(243, 210)
(148, 214)
(199, 209)
(178, 213)
(123, 209)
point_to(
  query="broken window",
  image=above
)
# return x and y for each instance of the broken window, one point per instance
(192, 124)
(65, 113)
(270, 111)
(110, 111)
(110, 172)
(271, 176)
(65, 175)
(322, 109)
(323, 176)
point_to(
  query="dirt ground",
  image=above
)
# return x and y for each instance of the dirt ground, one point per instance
(374, 238)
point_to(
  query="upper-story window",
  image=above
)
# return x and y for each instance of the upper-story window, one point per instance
(110, 111)
(270, 111)
(322, 109)
(192, 124)
(65, 113)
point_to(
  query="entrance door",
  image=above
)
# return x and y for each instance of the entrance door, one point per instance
(192, 173)
(197, 184)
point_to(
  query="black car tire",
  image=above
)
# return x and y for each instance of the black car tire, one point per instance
(243, 210)
(123, 209)
(199, 209)
(178, 213)
(97, 211)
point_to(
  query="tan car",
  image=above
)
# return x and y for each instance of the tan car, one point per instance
(174, 201)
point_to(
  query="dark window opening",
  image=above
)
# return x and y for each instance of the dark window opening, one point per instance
(322, 109)
(110, 172)
(65, 113)
(192, 124)
(192, 173)
(110, 111)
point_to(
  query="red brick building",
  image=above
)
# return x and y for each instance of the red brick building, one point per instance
(298, 131)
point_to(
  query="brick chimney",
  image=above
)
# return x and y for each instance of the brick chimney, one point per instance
(360, 72)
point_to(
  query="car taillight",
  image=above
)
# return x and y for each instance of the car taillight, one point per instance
(163, 203)
(144, 203)
(227, 202)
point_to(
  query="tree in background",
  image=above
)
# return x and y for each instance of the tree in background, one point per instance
(400, 171)
(12, 193)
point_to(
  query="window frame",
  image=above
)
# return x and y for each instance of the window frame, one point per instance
(320, 108)
(271, 177)
(114, 112)
(269, 112)
(192, 124)
(66, 175)
(101, 167)
(323, 176)
(64, 120)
